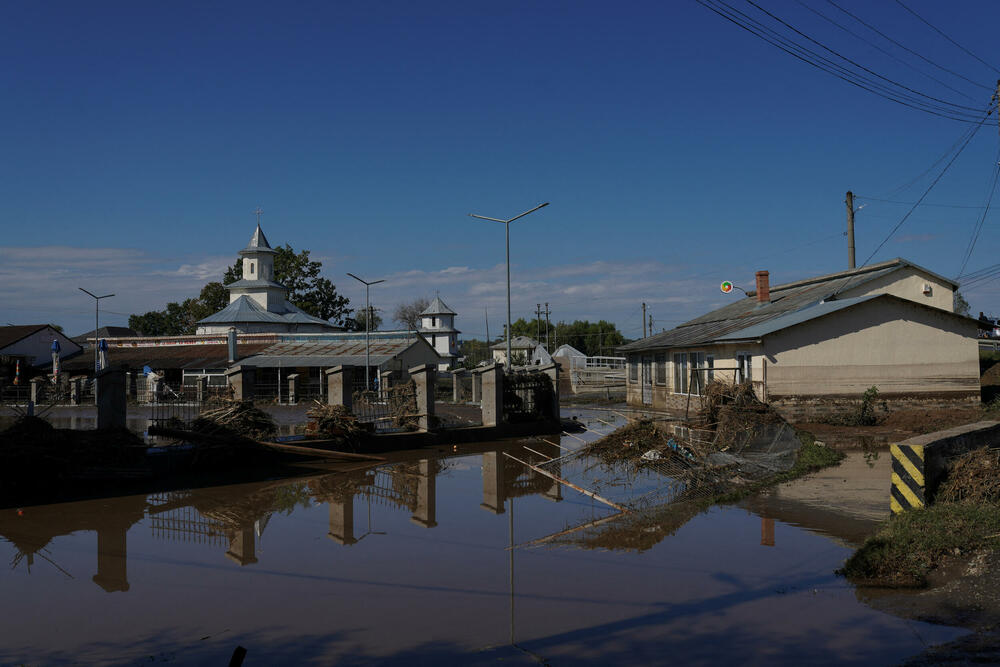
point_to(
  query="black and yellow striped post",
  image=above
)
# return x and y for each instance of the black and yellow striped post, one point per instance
(908, 482)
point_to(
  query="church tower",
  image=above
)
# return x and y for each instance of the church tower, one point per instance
(258, 275)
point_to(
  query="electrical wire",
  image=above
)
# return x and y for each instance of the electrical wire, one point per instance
(938, 31)
(909, 203)
(982, 219)
(905, 48)
(881, 50)
(951, 111)
(970, 132)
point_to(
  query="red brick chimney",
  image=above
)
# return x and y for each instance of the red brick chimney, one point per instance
(763, 288)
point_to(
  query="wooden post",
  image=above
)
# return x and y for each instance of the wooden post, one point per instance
(850, 229)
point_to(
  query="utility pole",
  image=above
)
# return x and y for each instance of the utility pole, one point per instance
(650, 324)
(486, 314)
(643, 319)
(538, 321)
(547, 311)
(850, 226)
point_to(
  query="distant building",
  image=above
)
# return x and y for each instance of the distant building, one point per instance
(258, 304)
(522, 348)
(437, 324)
(31, 345)
(85, 339)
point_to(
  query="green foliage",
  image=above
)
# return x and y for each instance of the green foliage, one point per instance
(914, 542)
(361, 318)
(864, 415)
(591, 338)
(474, 352)
(306, 289)
(534, 329)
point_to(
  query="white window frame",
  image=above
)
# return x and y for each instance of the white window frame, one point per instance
(744, 365)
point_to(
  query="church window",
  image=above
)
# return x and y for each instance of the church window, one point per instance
(251, 268)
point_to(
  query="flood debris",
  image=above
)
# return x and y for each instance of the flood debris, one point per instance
(238, 419)
(738, 445)
(336, 422)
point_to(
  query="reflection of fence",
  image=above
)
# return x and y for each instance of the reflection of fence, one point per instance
(186, 524)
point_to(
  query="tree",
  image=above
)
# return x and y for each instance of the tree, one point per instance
(591, 338)
(534, 329)
(474, 352)
(408, 313)
(306, 289)
(360, 318)
(961, 306)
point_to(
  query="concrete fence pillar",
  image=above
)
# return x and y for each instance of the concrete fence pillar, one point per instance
(293, 389)
(385, 380)
(492, 394)
(339, 388)
(424, 377)
(111, 403)
(75, 389)
(456, 387)
(243, 380)
(36, 389)
(552, 371)
(130, 390)
(477, 387)
(201, 388)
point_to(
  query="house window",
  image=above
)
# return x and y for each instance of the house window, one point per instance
(251, 268)
(633, 370)
(744, 365)
(680, 373)
(692, 371)
(661, 369)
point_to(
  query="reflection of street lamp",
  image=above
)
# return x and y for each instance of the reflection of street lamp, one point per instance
(506, 224)
(368, 323)
(97, 307)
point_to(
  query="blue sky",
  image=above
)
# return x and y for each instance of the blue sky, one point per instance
(676, 149)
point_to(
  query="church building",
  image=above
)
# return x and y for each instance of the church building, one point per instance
(258, 304)
(437, 325)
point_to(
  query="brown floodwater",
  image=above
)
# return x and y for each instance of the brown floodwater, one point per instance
(409, 563)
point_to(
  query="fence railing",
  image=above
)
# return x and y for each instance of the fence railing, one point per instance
(390, 410)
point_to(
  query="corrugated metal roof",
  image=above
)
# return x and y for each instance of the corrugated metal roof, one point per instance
(243, 309)
(347, 352)
(438, 307)
(517, 343)
(258, 243)
(167, 356)
(796, 317)
(748, 312)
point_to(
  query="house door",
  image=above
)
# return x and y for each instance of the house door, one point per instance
(647, 380)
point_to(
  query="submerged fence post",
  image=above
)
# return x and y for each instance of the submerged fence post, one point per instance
(338, 385)
(477, 386)
(456, 384)
(74, 390)
(492, 394)
(111, 403)
(424, 377)
(201, 388)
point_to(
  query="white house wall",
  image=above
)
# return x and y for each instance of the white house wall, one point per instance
(37, 347)
(900, 348)
(907, 283)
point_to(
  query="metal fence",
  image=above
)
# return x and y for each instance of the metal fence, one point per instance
(527, 396)
(393, 409)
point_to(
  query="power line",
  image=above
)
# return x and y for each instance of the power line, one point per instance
(971, 132)
(909, 203)
(856, 64)
(905, 48)
(982, 219)
(938, 31)
(952, 111)
(881, 50)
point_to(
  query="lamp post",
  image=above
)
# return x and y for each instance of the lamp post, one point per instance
(368, 323)
(97, 309)
(506, 224)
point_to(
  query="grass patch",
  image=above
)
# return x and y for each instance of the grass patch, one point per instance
(915, 542)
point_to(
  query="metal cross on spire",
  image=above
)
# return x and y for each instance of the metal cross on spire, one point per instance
(258, 212)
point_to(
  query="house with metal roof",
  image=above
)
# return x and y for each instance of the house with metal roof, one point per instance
(522, 349)
(258, 304)
(32, 345)
(807, 345)
(437, 324)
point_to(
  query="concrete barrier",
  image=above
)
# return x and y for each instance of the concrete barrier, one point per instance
(920, 464)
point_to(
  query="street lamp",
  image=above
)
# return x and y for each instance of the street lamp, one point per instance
(368, 323)
(97, 308)
(506, 224)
